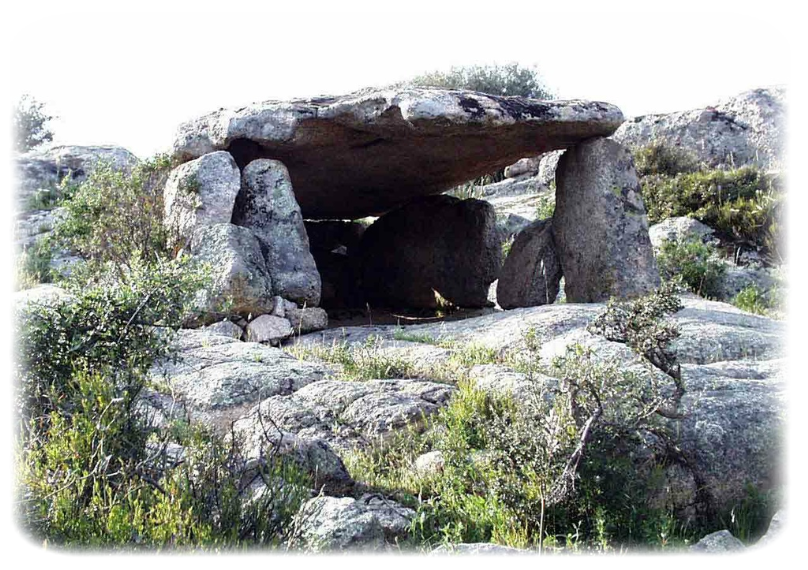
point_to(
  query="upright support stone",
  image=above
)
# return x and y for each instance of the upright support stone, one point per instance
(240, 283)
(200, 193)
(266, 204)
(599, 225)
(531, 274)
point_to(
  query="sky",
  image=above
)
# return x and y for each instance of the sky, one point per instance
(129, 78)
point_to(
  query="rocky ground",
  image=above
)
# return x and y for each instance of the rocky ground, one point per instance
(277, 372)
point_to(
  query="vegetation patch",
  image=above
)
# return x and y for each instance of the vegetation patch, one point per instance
(692, 264)
(553, 469)
(744, 205)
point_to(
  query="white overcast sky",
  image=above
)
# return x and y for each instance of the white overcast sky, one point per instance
(129, 77)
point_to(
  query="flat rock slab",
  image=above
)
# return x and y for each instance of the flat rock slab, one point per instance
(217, 378)
(368, 152)
(353, 414)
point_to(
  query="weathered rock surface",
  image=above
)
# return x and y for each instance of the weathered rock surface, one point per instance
(746, 129)
(523, 167)
(783, 547)
(722, 551)
(240, 281)
(225, 328)
(348, 536)
(394, 518)
(217, 378)
(679, 229)
(599, 225)
(266, 204)
(483, 556)
(531, 273)
(348, 414)
(737, 278)
(438, 244)
(328, 235)
(201, 193)
(82, 160)
(548, 162)
(731, 362)
(313, 456)
(785, 544)
(44, 169)
(369, 152)
(429, 464)
(307, 319)
(45, 295)
(269, 328)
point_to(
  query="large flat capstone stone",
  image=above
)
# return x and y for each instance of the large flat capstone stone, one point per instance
(374, 150)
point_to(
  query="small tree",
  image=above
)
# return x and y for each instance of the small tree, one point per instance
(31, 124)
(509, 79)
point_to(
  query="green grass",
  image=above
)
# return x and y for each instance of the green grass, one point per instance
(366, 361)
(755, 300)
(34, 265)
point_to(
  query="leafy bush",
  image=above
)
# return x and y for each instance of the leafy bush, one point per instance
(92, 470)
(776, 222)
(699, 193)
(31, 124)
(509, 79)
(114, 215)
(755, 300)
(658, 159)
(694, 264)
(743, 205)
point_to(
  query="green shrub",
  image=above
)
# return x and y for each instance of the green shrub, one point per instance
(694, 264)
(658, 159)
(509, 79)
(115, 215)
(702, 193)
(90, 470)
(755, 300)
(775, 222)
(31, 124)
(546, 206)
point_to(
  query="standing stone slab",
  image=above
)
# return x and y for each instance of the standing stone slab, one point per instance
(531, 274)
(599, 225)
(267, 205)
(439, 243)
(201, 193)
(240, 283)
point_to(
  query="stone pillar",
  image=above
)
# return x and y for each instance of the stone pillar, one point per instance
(599, 225)
(531, 274)
(266, 204)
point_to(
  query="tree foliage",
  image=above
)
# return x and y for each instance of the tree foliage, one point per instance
(31, 124)
(508, 79)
